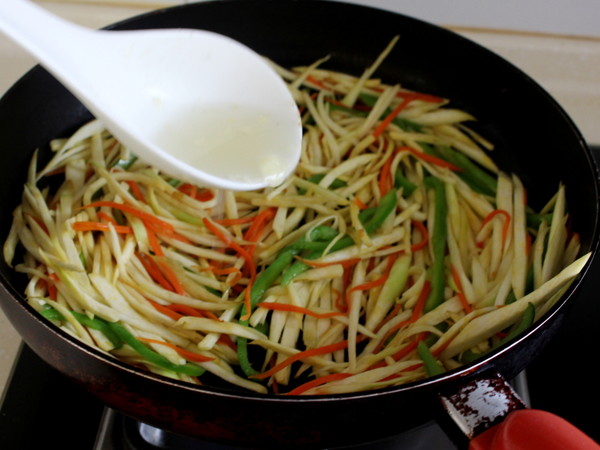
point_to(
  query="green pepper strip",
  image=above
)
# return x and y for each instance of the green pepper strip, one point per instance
(95, 323)
(372, 219)
(125, 164)
(320, 238)
(118, 334)
(316, 179)
(471, 173)
(438, 239)
(269, 276)
(52, 314)
(100, 325)
(486, 183)
(432, 366)
(535, 220)
(153, 357)
(262, 283)
(400, 181)
(175, 182)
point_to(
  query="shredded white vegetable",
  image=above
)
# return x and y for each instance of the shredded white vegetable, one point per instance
(396, 229)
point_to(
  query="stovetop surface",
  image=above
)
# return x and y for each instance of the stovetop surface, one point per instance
(40, 407)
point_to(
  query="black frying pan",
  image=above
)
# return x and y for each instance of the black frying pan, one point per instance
(534, 138)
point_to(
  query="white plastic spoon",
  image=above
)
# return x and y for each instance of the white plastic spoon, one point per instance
(197, 105)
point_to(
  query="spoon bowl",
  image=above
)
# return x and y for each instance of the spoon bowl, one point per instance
(196, 104)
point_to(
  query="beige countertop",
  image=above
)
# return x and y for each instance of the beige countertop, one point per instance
(568, 67)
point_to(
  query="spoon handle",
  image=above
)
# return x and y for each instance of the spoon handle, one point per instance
(57, 44)
(52, 40)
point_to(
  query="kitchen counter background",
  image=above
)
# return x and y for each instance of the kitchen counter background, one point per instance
(565, 61)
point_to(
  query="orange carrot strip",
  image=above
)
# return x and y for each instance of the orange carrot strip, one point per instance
(259, 224)
(244, 254)
(185, 310)
(312, 80)
(43, 284)
(461, 296)
(165, 310)
(441, 348)
(211, 315)
(369, 284)
(190, 311)
(225, 271)
(391, 116)
(190, 356)
(418, 309)
(339, 301)
(188, 189)
(505, 226)
(238, 221)
(404, 351)
(360, 203)
(298, 309)
(356, 106)
(154, 243)
(318, 382)
(99, 226)
(234, 280)
(377, 282)
(393, 313)
(136, 191)
(227, 240)
(58, 171)
(255, 231)
(407, 350)
(385, 175)
(105, 217)
(390, 332)
(150, 221)
(142, 215)
(423, 243)
(302, 355)
(204, 195)
(52, 290)
(171, 276)
(225, 339)
(344, 262)
(39, 222)
(154, 271)
(430, 158)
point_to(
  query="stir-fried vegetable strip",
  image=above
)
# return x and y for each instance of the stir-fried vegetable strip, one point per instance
(396, 251)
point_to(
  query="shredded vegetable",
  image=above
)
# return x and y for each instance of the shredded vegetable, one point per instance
(396, 251)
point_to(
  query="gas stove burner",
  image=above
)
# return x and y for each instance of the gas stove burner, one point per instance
(118, 432)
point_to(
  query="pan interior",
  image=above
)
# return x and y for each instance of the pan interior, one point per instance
(533, 136)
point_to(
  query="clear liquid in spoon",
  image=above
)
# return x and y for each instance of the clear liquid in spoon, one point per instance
(229, 141)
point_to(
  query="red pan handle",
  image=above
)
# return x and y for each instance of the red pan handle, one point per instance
(529, 429)
(492, 416)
